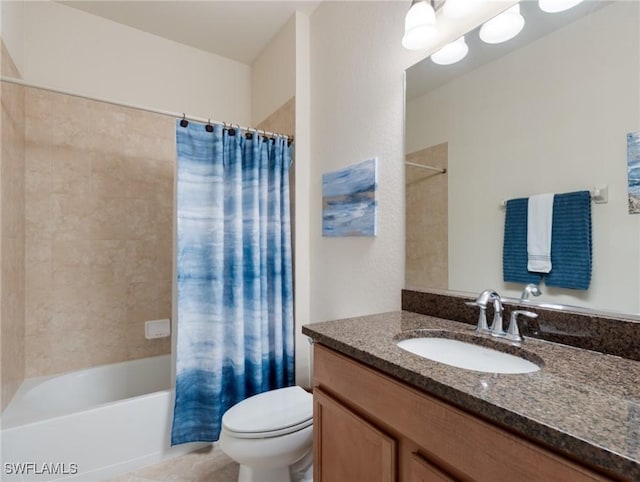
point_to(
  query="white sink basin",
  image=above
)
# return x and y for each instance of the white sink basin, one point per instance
(467, 355)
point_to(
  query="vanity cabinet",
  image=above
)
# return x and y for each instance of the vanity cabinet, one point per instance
(370, 427)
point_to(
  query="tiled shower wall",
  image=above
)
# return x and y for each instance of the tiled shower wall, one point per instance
(99, 231)
(283, 121)
(426, 258)
(12, 229)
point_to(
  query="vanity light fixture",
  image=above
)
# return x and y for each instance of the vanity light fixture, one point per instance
(419, 25)
(553, 6)
(451, 53)
(503, 27)
(455, 9)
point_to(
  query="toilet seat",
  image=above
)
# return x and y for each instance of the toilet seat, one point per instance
(270, 414)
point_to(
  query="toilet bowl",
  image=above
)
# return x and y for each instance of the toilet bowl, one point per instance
(270, 435)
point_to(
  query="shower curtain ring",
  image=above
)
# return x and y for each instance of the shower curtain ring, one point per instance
(209, 127)
(184, 122)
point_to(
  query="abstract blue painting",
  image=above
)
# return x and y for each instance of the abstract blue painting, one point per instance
(349, 206)
(633, 171)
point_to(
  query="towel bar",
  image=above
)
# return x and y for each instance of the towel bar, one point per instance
(599, 195)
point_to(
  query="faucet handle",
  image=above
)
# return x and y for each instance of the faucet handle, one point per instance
(513, 333)
(482, 326)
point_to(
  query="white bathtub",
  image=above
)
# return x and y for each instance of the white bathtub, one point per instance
(94, 423)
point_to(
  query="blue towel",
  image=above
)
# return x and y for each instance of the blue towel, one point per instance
(571, 241)
(514, 250)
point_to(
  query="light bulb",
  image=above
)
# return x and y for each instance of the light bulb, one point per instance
(419, 26)
(553, 6)
(503, 27)
(455, 9)
(451, 53)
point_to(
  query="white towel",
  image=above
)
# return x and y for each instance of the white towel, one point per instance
(539, 221)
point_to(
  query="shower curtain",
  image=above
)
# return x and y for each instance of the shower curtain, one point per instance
(235, 290)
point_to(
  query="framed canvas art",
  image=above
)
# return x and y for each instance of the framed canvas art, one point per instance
(349, 206)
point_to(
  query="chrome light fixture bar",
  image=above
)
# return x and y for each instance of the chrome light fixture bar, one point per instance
(553, 6)
(455, 9)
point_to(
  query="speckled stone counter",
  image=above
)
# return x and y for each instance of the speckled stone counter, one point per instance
(583, 403)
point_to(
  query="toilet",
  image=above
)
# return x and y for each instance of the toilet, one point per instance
(271, 436)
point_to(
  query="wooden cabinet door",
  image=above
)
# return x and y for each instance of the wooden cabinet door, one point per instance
(421, 470)
(348, 448)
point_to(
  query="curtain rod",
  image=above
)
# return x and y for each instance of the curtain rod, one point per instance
(24, 83)
(439, 169)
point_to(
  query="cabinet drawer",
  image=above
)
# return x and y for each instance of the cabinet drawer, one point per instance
(467, 446)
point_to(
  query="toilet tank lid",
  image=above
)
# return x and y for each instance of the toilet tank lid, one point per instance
(270, 411)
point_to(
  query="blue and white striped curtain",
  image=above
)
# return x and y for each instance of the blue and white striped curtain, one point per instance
(235, 290)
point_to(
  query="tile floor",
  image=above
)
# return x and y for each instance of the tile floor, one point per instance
(206, 465)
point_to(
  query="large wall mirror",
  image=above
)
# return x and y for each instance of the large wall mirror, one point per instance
(548, 111)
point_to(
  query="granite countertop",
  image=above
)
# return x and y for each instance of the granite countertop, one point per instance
(583, 403)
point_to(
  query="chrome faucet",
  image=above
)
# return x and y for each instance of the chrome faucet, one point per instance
(530, 289)
(513, 333)
(496, 327)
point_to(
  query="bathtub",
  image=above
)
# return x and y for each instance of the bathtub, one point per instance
(90, 424)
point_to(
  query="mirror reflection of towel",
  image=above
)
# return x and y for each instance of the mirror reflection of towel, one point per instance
(514, 249)
(571, 247)
(539, 224)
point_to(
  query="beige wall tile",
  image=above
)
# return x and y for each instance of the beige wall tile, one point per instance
(141, 259)
(12, 232)
(108, 218)
(38, 310)
(72, 217)
(140, 220)
(37, 158)
(108, 263)
(141, 301)
(164, 302)
(38, 296)
(283, 120)
(70, 171)
(38, 354)
(8, 67)
(99, 232)
(138, 346)
(426, 261)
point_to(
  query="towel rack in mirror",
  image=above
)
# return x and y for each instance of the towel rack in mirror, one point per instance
(599, 195)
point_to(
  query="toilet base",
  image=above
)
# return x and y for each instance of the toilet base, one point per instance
(253, 474)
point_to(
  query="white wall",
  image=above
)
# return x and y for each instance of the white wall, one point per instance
(273, 73)
(70, 49)
(357, 91)
(11, 27)
(302, 168)
(550, 117)
(357, 112)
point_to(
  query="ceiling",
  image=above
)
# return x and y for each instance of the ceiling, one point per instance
(236, 29)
